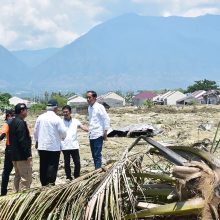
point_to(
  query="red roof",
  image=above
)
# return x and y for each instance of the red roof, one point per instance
(145, 95)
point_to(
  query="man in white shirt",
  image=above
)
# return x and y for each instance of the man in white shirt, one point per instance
(70, 145)
(99, 123)
(48, 133)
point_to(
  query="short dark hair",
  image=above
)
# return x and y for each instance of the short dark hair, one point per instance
(9, 112)
(67, 107)
(94, 94)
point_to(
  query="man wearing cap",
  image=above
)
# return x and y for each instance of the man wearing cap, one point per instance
(99, 123)
(8, 165)
(48, 133)
(20, 140)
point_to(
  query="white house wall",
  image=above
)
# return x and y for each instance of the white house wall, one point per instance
(113, 96)
(15, 100)
(77, 101)
(173, 98)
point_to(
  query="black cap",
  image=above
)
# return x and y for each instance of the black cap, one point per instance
(19, 107)
(52, 103)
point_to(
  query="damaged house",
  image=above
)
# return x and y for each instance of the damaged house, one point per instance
(169, 98)
(140, 98)
(78, 103)
(212, 97)
(192, 98)
(111, 99)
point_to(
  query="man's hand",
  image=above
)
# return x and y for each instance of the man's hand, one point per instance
(84, 128)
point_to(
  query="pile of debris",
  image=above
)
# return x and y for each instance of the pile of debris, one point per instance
(173, 182)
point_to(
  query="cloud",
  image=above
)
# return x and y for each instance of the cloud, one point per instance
(186, 8)
(201, 11)
(45, 23)
(7, 35)
(34, 24)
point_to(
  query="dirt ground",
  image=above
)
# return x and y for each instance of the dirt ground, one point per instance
(179, 125)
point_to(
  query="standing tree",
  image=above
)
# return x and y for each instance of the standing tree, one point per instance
(129, 97)
(4, 100)
(202, 85)
(60, 98)
(46, 96)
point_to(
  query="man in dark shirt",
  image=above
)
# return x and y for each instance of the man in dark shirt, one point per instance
(20, 141)
(8, 165)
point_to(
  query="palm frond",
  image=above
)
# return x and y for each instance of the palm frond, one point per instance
(193, 206)
(116, 190)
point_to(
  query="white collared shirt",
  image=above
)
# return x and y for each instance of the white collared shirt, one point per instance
(98, 120)
(71, 142)
(49, 130)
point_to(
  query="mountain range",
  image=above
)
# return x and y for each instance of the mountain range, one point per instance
(32, 58)
(129, 52)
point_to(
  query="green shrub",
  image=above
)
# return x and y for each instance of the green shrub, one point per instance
(148, 103)
(37, 107)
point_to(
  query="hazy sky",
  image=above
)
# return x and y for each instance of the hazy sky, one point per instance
(36, 24)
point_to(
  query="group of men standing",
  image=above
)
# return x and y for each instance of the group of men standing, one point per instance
(52, 135)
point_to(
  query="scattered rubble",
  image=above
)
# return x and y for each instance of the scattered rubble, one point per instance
(179, 126)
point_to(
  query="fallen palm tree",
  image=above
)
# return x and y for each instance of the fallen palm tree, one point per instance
(157, 182)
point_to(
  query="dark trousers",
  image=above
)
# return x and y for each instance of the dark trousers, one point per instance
(96, 149)
(49, 162)
(8, 166)
(76, 160)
